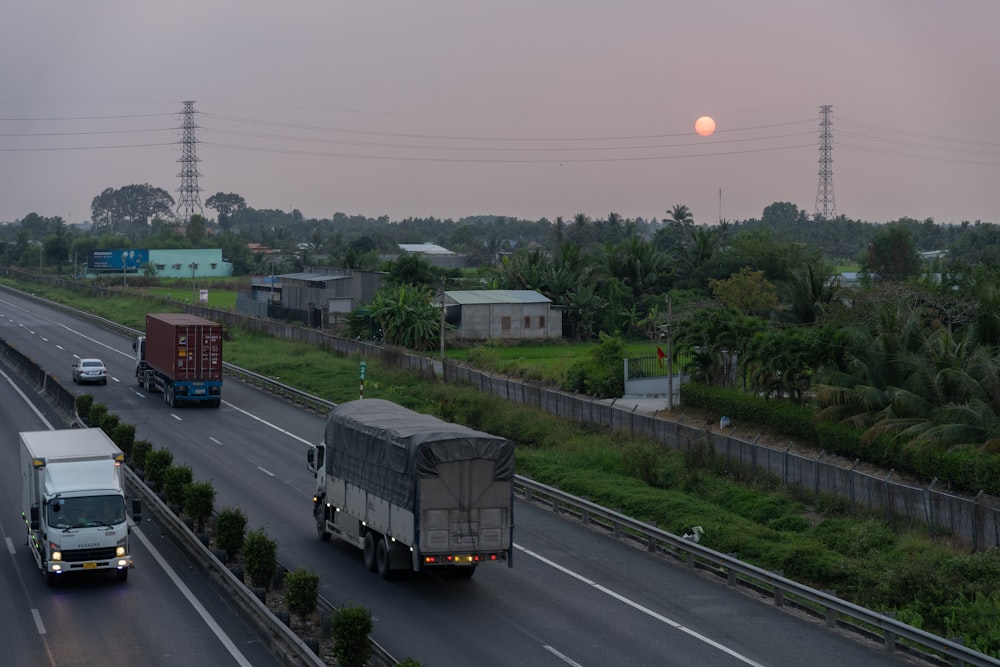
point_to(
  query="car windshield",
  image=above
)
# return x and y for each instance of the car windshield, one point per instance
(86, 511)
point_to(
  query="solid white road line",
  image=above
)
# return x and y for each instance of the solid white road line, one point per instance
(635, 605)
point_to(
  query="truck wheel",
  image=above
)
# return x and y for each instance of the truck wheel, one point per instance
(382, 559)
(138, 379)
(51, 578)
(122, 574)
(369, 551)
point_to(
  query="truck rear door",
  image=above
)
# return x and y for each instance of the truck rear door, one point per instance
(464, 508)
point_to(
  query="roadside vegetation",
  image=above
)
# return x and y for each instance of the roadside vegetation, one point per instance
(894, 569)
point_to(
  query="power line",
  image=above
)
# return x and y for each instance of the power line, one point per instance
(556, 160)
(61, 118)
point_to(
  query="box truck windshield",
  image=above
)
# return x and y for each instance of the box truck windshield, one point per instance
(86, 511)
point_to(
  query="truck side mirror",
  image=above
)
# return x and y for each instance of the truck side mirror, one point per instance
(314, 458)
(137, 510)
(34, 521)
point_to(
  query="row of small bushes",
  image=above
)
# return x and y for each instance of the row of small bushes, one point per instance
(964, 468)
(350, 626)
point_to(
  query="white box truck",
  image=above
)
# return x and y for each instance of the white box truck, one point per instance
(74, 503)
(413, 492)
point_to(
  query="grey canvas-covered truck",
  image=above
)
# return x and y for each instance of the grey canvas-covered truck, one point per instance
(411, 491)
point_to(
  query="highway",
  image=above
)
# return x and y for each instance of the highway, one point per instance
(165, 614)
(574, 596)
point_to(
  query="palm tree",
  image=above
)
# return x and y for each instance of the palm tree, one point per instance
(681, 215)
(808, 292)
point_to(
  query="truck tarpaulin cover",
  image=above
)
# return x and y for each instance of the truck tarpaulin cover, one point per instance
(384, 448)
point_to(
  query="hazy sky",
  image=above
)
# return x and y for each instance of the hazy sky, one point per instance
(539, 108)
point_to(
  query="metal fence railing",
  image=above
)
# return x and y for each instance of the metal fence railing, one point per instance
(651, 367)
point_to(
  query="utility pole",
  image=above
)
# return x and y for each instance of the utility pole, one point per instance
(670, 355)
(442, 323)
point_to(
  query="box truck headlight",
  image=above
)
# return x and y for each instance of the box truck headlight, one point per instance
(120, 549)
(54, 548)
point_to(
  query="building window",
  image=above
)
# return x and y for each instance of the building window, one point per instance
(160, 267)
(527, 321)
(213, 265)
(541, 321)
(505, 323)
(177, 267)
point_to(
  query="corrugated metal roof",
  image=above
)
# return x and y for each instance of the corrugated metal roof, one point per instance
(312, 277)
(424, 248)
(471, 297)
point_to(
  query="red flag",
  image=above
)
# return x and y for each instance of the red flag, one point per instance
(660, 355)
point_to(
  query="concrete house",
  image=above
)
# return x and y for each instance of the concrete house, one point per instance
(318, 296)
(501, 314)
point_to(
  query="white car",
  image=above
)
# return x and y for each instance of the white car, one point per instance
(90, 370)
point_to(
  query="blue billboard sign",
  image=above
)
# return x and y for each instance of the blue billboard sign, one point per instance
(119, 259)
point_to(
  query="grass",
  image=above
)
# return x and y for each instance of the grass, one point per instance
(538, 361)
(809, 539)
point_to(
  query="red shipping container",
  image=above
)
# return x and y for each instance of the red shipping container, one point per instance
(184, 347)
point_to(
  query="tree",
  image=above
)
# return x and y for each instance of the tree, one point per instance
(808, 292)
(891, 255)
(130, 209)
(199, 502)
(261, 555)
(681, 215)
(196, 229)
(782, 213)
(716, 339)
(226, 205)
(56, 246)
(413, 270)
(747, 291)
(37, 226)
(407, 317)
(302, 591)
(351, 627)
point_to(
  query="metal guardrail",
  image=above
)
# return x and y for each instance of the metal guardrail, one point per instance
(835, 611)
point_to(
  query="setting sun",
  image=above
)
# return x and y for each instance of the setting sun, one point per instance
(704, 126)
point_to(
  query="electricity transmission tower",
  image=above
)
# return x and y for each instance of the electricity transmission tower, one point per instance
(189, 201)
(826, 205)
